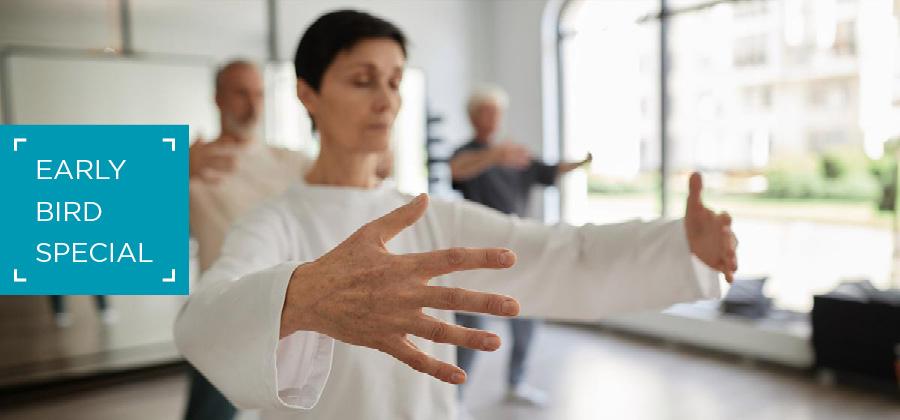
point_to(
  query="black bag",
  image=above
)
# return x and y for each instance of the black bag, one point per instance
(855, 329)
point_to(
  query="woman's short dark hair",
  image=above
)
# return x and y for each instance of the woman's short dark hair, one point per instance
(334, 32)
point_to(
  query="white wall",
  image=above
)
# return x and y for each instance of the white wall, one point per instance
(451, 40)
(516, 65)
(519, 64)
(458, 43)
(218, 29)
(58, 23)
(222, 29)
(212, 30)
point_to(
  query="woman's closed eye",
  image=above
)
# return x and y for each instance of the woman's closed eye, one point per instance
(362, 81)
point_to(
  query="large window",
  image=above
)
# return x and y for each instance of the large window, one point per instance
(788, 107)
(610, 83)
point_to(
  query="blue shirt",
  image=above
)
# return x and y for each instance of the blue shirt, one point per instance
(502, 188)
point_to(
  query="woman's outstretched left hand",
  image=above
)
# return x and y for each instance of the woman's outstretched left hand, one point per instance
(709, 233)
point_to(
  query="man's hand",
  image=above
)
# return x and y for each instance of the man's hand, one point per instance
(567, 167)
(210, 161)
(511, 155)
(709, 234)
(363, 295)
(588, 159)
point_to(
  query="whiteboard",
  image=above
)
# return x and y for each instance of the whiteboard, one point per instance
(47, 89)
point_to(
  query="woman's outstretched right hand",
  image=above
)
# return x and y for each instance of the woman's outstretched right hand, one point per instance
(363, 295)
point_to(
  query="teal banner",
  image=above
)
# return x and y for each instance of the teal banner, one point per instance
(94, 210)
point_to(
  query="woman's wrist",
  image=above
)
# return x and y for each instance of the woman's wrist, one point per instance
(296, 314)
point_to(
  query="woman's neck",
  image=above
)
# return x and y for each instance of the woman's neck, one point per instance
(343, 169)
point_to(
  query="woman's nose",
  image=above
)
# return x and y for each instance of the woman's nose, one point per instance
(384, 99)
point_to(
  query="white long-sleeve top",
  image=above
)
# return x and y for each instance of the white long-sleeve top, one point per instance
(229, 329)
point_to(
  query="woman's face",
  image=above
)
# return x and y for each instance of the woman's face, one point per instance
(359, 96)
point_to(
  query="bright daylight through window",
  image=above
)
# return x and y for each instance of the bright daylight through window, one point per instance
(781, 104)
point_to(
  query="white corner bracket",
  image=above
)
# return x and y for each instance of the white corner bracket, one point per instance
(170, 141)
(16, 278)
(170, 279)
(18, 140)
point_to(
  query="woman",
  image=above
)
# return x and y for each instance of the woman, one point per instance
(314, 308)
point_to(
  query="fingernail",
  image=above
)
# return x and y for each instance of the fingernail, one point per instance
(457, 378)
(506, 258)
(508, 307)
(490, 343)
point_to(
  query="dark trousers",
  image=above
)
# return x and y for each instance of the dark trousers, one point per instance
(205, 402)
(59, 304)
(522, 332)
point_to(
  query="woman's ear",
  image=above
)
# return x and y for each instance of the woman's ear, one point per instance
(218, 99)
(307, 96)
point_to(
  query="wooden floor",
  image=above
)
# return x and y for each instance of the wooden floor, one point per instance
(588, 374)
(34, 349)
(605, 375)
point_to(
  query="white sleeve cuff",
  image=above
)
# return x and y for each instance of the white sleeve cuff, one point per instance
(303, 362)
(706, 278)
(229, 330)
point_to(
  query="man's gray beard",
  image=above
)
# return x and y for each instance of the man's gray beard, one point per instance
(244, 131)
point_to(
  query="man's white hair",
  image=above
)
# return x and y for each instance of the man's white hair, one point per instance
(487, 94)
